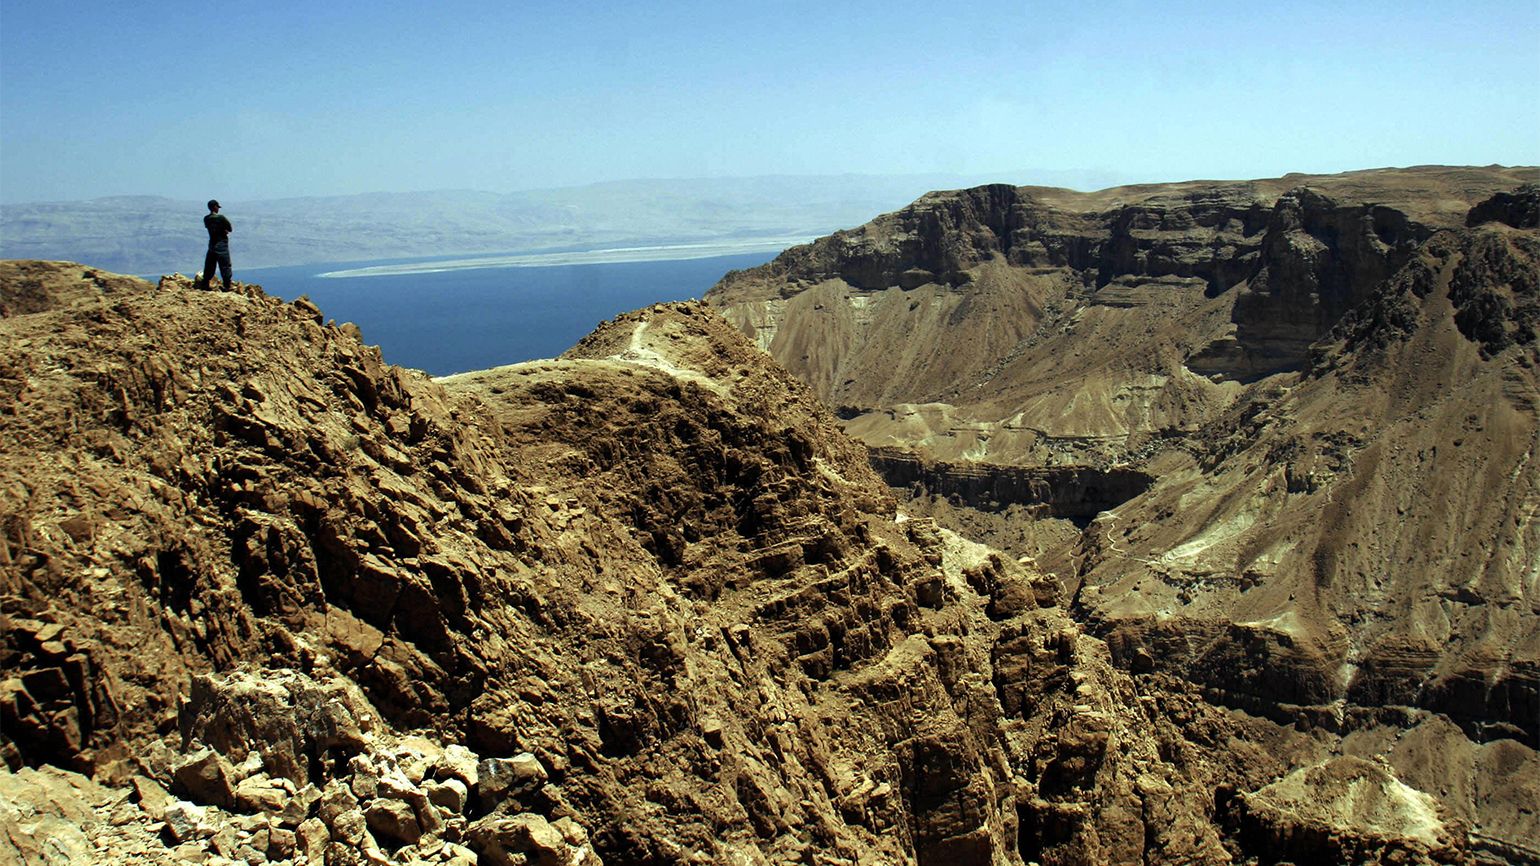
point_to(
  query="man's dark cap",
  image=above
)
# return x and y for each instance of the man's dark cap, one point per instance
(213, 204)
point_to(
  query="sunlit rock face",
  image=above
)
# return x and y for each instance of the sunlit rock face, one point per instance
(268, 598)
(1329, 381)
(641, 604)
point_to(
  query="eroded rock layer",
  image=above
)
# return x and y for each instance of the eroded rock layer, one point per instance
(269, 599)
(1330, 380)
(1025, 324)
(1059, 491)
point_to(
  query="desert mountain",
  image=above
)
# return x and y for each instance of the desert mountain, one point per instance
(269, 599)
(1276, 438)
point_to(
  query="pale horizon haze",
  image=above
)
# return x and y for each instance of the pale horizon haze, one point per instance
(283, 99)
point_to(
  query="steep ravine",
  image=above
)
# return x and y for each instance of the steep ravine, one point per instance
(1330, 382)
(644, 604)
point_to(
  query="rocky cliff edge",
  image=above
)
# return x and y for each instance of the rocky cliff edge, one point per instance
(270, 599)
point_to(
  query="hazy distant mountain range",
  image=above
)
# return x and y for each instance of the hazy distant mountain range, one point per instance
(151, 234)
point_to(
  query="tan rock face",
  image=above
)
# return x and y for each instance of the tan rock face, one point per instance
(1384, 520)
(641, 604)
(1328, 381)
(651, 579)
(1077, 325)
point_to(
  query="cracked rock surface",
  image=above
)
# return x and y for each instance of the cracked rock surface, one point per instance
(270, 599)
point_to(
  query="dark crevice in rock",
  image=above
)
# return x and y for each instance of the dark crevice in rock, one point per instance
(1075, 492)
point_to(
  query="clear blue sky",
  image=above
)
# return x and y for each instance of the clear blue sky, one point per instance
(273, 99)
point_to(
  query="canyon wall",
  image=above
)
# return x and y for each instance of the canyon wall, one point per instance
(270, 599)
(1329, 380)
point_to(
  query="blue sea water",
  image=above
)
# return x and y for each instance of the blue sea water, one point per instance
(454, 321)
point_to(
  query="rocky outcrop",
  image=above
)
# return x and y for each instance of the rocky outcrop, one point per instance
(56, 697)
(1329, 382)
(370, 797)
(1495, 291)
(1286, 258)
(641, 604)
(938, 237)
(49, 815)
(1317, 259)
(1347, 810)
(1519, 208)
(365, 794)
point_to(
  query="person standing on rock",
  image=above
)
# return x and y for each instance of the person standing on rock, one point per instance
(219, 246)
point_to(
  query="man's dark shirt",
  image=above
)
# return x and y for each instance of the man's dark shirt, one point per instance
(219, 228)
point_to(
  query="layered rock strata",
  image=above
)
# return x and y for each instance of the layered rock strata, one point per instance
(1070, 491)
(640, 605)
(1330, 380)
(644, 604)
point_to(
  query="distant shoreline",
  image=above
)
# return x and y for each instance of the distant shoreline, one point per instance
(616, 255)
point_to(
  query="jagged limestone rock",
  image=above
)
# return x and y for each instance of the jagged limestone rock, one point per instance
(654, 565)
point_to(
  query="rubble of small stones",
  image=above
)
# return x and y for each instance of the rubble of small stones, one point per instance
(356, 794)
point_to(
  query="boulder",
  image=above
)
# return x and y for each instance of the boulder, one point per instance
(366, 777)
(153, 798)
(207, 777)
(510, 776)
(281, 844)
(310, 839)
(184, 820)
(299, 806)
(449, 795)
(44, 815)
(395, 820)
(415, 757)
(351, 828)
(457, 762)
(259, 794)
(500, 839)
(397, 787)
(336, 799)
